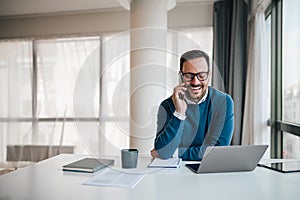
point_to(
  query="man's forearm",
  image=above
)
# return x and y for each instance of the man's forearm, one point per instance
(169, 138)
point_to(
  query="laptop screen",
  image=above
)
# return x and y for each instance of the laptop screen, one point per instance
(193, 167)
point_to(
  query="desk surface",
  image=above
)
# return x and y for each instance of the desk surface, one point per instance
(46, 180)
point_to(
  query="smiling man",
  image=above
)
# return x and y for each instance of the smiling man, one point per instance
(196, 115)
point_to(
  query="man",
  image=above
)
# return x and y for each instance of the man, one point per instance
(196, 115)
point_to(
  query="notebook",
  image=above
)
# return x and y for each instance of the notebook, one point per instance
(174, 163)
(229, 159)
(88, 165)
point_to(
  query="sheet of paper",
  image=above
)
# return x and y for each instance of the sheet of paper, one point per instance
(115, 178)
(166, 163)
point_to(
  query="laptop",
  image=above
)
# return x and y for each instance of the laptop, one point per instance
(229, 159)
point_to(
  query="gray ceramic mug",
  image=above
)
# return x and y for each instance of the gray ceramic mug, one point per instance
(129, 158)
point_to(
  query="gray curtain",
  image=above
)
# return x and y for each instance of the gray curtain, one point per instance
(230, 55)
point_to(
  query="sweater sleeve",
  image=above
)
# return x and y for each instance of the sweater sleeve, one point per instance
(220, 129)
(169, 132)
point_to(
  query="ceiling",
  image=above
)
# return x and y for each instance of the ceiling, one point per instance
(33, 7)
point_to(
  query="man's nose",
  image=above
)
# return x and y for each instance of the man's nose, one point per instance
(195, 80)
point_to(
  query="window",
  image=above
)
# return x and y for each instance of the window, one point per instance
(285, 50)
(38, 79)
(65, 91)
(15, 93)
(266, 136)
(59, 62)
(115, 87)
(291, 61)
(59, 65)
(291, 75)
(16, 78)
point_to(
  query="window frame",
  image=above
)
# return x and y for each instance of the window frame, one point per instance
(34, 119)
(278, 126)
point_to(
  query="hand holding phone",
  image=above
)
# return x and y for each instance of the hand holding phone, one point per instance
(179, 97)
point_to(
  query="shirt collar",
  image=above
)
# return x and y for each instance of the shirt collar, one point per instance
(201, 100)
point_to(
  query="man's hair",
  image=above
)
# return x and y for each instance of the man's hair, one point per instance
(193, 54)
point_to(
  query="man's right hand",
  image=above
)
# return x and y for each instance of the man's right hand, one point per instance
(154, 153)
(178, 98)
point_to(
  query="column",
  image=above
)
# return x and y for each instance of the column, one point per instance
(148, 37)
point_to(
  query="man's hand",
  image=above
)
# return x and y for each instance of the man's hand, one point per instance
(178, 98)
(154, 153)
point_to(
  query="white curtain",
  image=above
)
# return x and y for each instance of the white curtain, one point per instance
(15, 94)
(67, 75)
(58, 66)
(70, 87)
(114, 93)
(257, 111)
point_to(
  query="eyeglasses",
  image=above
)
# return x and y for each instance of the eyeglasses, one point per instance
(201, 76)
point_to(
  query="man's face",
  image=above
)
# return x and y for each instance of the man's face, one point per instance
(196, 88)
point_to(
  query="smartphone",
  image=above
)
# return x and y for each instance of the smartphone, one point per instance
(181, 96)
(180, 80)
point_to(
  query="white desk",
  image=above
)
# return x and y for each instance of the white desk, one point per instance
(46, 180)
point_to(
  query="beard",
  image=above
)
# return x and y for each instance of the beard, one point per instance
(196, 92)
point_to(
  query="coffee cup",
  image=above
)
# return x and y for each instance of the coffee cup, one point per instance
(129, 158)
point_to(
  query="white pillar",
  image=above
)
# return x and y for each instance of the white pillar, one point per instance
(148, 23)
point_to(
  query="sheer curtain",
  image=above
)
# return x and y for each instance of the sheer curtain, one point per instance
(37, 95)
(114, 96)
(67, 74)
(15, 94)
(255, 129)
(75, 91)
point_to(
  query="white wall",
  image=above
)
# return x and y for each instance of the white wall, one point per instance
(191, 15)
(91, 23)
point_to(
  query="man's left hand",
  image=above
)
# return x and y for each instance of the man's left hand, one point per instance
(154, 153)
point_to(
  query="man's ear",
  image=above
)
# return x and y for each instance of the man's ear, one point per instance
(209, 79)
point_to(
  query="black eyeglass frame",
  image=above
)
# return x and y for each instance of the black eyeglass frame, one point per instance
(195, 74)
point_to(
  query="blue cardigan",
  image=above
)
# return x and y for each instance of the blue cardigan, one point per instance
(207, 124)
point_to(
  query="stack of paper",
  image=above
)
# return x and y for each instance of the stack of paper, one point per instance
(115, 178)
(166, 163)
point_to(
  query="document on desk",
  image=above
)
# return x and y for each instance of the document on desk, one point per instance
(173, 163)
(115, 178)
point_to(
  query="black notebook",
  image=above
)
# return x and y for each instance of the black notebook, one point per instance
(88, 165)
